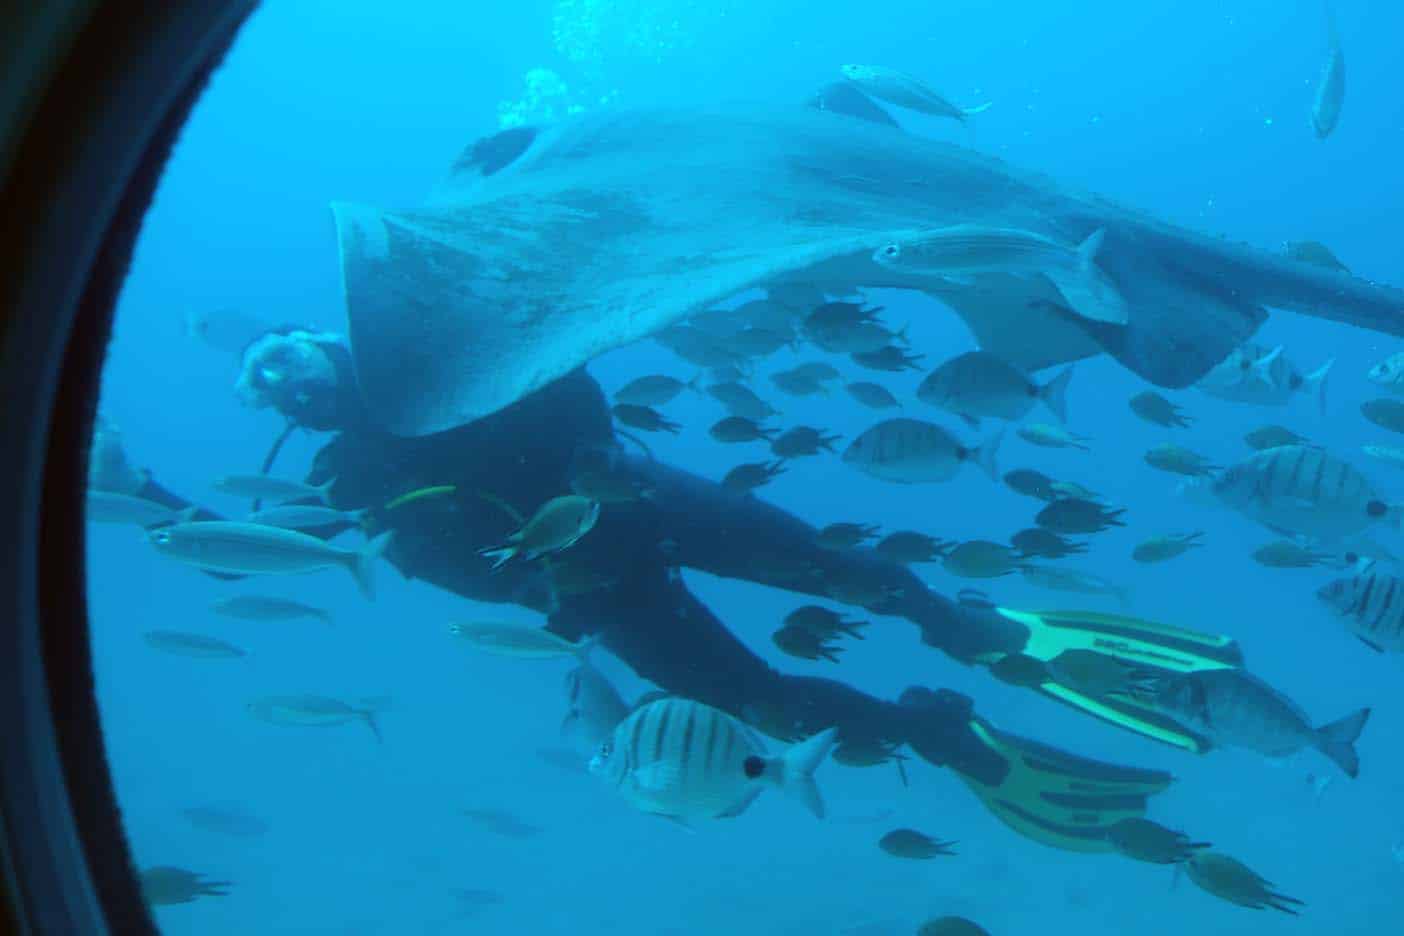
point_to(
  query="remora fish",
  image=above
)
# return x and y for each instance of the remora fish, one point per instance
(1330, 90)
(111, 507)
(685, 760)
(251, 549)
(894, 87)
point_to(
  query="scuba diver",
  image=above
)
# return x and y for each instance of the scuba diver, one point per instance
(621, 584)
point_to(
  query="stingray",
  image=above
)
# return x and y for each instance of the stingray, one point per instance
(546, 247)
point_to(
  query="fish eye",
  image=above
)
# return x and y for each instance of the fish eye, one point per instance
(606, 749)
(1375, 509)
(891, 250)
(1351, 558)
(161, 538)
(753, 766)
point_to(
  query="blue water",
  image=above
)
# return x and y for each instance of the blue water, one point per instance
(1195, 111)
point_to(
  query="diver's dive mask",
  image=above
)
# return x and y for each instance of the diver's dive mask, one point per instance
(298, 373)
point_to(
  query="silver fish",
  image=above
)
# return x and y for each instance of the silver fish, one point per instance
(1372, 603)
(306, 516)
(263, 487)
(312, 711)
(978, 385)
(110, 507)
(1330, 90)
(522, 641)
(1233, 708)
(1300, 489)
(654, 390)
(964, 251)
(266, 608)
(910, 451)
(557, 524)
(192, 645)
(252, 549)
(595, 706)
(1062, 578)
(1389, 373)
(1263, 376)
(894, 87)
(685, 760)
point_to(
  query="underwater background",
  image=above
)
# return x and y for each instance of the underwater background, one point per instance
(1194, 111)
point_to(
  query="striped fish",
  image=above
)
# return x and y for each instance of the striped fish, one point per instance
(685, 760)
(1304, 490)
(1372, 603)
(910, 451)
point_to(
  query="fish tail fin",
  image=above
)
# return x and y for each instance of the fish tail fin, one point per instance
(1315, 384)
(986, 454)
(1090, 246)
(1337, 741)
(372, 720)
(695, 384)
(1055, 394)
(1262, 367)
(797, 766)
(901, 335)
(363, 563)
(323, 491)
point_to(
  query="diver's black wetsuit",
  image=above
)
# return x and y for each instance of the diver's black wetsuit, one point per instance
(526, 454)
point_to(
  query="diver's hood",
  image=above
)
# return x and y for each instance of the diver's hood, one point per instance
(545, 248)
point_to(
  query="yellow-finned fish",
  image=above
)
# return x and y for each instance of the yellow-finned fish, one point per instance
(409, 497)
(522, 641)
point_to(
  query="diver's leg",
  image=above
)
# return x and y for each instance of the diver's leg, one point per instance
(741, 536)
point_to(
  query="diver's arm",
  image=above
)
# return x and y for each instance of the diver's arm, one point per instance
(741, 536)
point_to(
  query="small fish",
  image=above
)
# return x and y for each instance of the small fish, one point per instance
(824, 623)
(1031, 483)
(1072, 515)
(888, 358)
(978, 385)
(871, 395)
(1389, 374)
(557, 524)
(909, 843)
(685, 760)
(1330, 90)
(802, 441)
(654, 390)
(735, 429)
(165, 885)
(1236, 709)
(1060, 578)
(1163, 548)
(111, 507)
(1385, 413)
(951, 926)
(1286, 554)
(847, 333)
(1063, 489)
(1315, 252)
(981, 559)
(903, 90)
(906, 547)
(1266, 437)
(817, 371)
(1385, 453)
(192, 645)
(502, 823)
(740, 401)
(645, 418)
(594, 708)
(275, 490)
(964, 251)
(1300, 489)
(804, 644)
(312, 711)
(267, 608)
(910, 451)
(1045, 544)
(751, 475)
(1372, 603)
(1100, 675)
(226, 330)
(1155, 409)
(606, 483)
(1042, 434)
(306, 516)
(1263, 376)
(251, 549)
(1230, 879)
(845, 535)
(521, 641)
(796, 384)
(419, 494)
(757, 342)
(1178, 460)
(225, 820)
(1151, 842)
